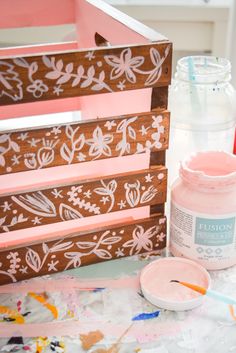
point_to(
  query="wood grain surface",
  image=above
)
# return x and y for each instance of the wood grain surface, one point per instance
(130, 238)
(82, 72)
(88, 198)
(65, 144)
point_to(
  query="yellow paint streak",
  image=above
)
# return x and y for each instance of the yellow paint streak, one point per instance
(13, 314)
(41, 299)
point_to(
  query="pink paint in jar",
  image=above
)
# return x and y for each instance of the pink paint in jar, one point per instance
(203, 210)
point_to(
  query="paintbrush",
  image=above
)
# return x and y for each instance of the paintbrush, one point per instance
(210, 293)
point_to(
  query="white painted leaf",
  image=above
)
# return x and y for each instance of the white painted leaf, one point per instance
(68, 213)
(2, 149)
(59, 65)
(111, 240)
(103, 254)
(53, 75)
(69, 68)
(69, 131)
(101, 191)
(2, 220)
(45, 248)
(155, 56)
(153, 77)
(5, 228)
(65, 78)
(97, 87)
(33, 68)
(2, 161)
(91, 71)
(85, 244)
(36, 203)
(132, 132)
(3, 138)
(61, 247)
(76, 81)
(112, 185)
(21, 62)
(80, 142)
(66, 153)
(101, 76)
(15, 146)
(47, 61)
(86, 83)
(33, 260)
(14, 221)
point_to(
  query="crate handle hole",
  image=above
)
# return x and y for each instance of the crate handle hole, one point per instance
(101, 41)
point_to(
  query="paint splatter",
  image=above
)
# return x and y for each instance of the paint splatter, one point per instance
(146, 316)
(231, 310)
(13, 315)
(91, 339)
(42, 299)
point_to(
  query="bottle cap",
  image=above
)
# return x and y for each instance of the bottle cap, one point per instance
(157, 288)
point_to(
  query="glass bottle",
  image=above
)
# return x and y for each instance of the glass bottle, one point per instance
(202, 105)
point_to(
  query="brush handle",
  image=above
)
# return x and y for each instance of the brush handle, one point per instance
(221, 297)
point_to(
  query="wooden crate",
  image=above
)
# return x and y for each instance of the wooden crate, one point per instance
(77, 193)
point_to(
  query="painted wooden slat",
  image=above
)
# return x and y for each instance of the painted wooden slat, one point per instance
(75, 250)
(85, 141)
(81, 73)
(83, 199)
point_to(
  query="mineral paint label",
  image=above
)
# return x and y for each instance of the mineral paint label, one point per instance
(201, 236)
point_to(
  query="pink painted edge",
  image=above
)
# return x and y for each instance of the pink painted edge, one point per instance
(37, 49)
(39, 285)
(23, 13)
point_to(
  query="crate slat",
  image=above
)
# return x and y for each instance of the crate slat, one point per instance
(84, 72)
(66, 144)
(129, 238)
(88, 198)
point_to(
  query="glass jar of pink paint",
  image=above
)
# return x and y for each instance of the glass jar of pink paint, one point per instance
(203, 210)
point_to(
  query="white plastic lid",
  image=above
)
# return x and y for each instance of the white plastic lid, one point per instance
(157, 288)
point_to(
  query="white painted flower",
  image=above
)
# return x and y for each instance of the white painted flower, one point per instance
(87, 194)
(104, 199)
(52, 266)
(33, 142)
(121, 85)
(36, 220)
(23, 269)
(121, 204)
(99, 144)
(161, 236)
(119, 252)
(6, 206)
(15, 159)
(110, 124)
(156, 138)
(90, 55)
(124, 64)
(30, 160)
(23, 136)
(57, 90)
(81, 157)
(57, 194)
(157, 120)
(37, 88)
(141, 240)
(144, 130)
(148, 178)
(132, 193)
(56, 130)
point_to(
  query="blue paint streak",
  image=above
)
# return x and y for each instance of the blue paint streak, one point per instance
(98, 290)
(146, 316)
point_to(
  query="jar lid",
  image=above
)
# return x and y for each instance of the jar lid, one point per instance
(157, 288)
